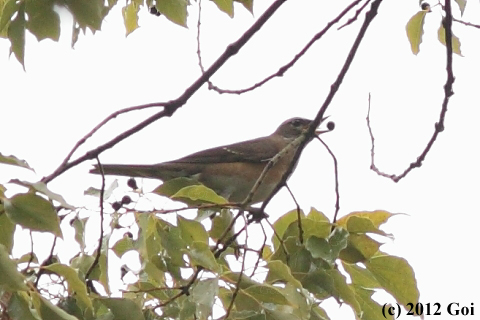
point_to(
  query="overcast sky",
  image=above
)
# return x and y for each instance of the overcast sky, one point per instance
(64, 93)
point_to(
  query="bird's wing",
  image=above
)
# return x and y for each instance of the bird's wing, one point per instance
(256, 150)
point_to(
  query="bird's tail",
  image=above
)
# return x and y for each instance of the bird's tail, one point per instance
(145, 171)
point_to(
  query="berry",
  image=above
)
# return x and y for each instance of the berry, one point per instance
(132, 183)
(116, 205)
(330, 125)
(126, 200)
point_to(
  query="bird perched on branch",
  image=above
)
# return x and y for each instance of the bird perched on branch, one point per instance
(231, 170)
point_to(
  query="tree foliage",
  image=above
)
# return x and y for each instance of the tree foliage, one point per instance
(204, 266)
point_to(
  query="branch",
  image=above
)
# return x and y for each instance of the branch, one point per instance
(439, 126)
(333, 90)
(100, 240)
(284, 68)
(466, 23)
(355, 17)
(299, 216)
(171, 106)
(337, 193)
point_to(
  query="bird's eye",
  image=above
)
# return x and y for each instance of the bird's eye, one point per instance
(296, 123)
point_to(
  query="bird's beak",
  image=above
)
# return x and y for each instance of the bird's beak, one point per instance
(318, 132)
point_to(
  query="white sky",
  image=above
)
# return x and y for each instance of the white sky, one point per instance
(64, 93)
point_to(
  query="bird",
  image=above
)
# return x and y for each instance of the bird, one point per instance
(230, 170)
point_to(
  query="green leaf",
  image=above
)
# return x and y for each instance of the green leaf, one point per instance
(267, 294)
(319, 248)
(79, 226)
(201, 255)
(43, 21)
(26, 257)
(123, 245)
(123, 309)
(203, 295)
(172, 241)
(396, 276)
(248, 4)
(245, 302)
(199, 194)
(245, 281)
(415, 30)
(461, 5)
(9, 276)
(222, 222)
(455, 40)
(279, 271)
(75, 285)
(16, 34)
(7, 231)
(192, 231)
(47, 310)
(371, 309)
(377, 218)
(360, 248)
(154, 273)
(43, 189)
(70, 306)
(362, 225)
(317, 313)
(8, 9)
(88, 13)
(282, 224)
(174, 10)
(12, 160)
(34, 212)
(316, 215)
(325, 283)
(225, 5)
(102, 268)
(361, 276)
(170, 187)
(130, 17)
(18, 307)
(108, 192)
(338, 241)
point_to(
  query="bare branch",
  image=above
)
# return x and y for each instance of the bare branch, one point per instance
(337, 193)
(466, 23)
(284, 68)
(100, 240)
(333, 90)
(299, 216)
(354, 18)
(439, 126)
(170, 107)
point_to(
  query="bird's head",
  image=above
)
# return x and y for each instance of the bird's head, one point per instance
(293, 128)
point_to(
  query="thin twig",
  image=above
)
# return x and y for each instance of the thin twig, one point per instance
(299, 216)
(439, 126)
(466, 23)
(237, 288)
(373, 166)
(31, 253)
(199, 23)
(260, 254)
(171, 106)
(333, 90)
(105, 121)
(354, 18)
(281, 71)
(100, 240)
(335, 166)
(46, 262)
